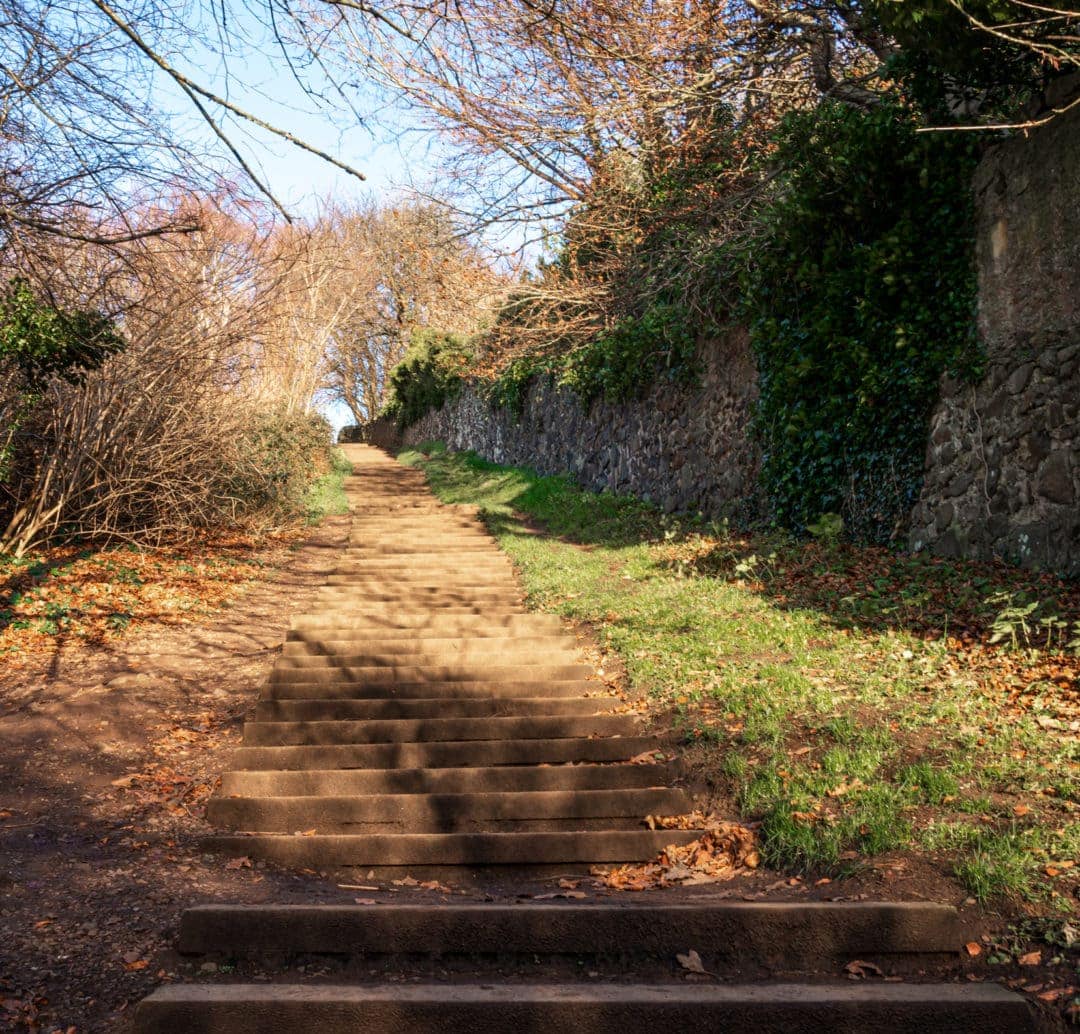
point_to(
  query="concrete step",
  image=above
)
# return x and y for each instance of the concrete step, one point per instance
(787, 936)
(461, 646)
(339, 782)
(437, 730)
(849, 1008)
(445, 813)
(384, 710)
(380, 849)
(437, 673)
(444, 754)
(393, 689)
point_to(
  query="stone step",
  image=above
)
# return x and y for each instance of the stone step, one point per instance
(445, 813)
(418, 596)
(788, 936)
(491, 557)
(437, 730)
(444, 754)
(383, 710)
(426, 656)
(363, 626)
(339, 782)
(461, 646)
(335, 614)
(470, 672)
(462, 572)
(848, 1008)
(434, 849)
(407, 551)
(392, 689)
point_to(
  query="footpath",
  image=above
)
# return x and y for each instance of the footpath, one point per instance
(420, 718)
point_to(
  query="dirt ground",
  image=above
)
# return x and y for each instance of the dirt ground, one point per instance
(107, 756)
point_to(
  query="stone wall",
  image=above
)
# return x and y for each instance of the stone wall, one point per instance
(684, 449)
(1003, 457)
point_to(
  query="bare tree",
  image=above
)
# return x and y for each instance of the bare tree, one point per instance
(402, 268)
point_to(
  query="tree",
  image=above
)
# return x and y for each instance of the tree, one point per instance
(401, 268)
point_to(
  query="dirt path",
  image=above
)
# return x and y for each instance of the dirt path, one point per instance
(107, 758)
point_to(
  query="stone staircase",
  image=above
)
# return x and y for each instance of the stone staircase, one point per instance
(420, 716)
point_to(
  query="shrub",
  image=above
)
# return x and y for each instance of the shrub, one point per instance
(432, 371)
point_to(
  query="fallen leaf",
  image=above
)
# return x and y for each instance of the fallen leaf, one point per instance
(406, 881)
(1032, 958)
(692, 961)
(365, 901)
(973, 948)
(131, 967)
(239, 863)
(859, 970)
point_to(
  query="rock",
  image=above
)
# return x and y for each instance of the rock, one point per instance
(1055, 481)
(1019, 378)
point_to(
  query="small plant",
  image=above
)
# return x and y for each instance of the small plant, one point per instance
(828, 528)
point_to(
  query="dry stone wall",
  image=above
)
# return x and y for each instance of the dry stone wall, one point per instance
(1003, 457)
(686, 449)
(1002, 473)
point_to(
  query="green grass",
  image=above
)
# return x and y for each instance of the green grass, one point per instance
(326, 495)
(817, 686)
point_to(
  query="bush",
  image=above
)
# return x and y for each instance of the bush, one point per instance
(432, 372)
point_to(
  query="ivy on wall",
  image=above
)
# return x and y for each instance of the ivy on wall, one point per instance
(859, 294)
(615, 365)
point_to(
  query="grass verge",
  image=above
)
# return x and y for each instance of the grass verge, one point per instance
(853, 700)
(326, 495)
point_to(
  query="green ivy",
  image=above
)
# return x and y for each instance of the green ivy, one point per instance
(859, 295)
(616, 365)
(432, 372)
(41, 340)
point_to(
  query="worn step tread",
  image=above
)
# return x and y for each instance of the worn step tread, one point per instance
(392, 849)
(440, 813)
(460, 644)
(444, 754)
(471, 672)
(434, 730)
(805, 933)
(383, 710)
(564, 652)
(840, 1008)
(463, 779)
(394, 689)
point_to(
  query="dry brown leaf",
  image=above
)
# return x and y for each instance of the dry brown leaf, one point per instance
(239, 863)
(691, 961)
(859, 970)
(1032, 958)
(973, 948)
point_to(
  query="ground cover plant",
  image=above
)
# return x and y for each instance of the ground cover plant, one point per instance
(855, 701)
